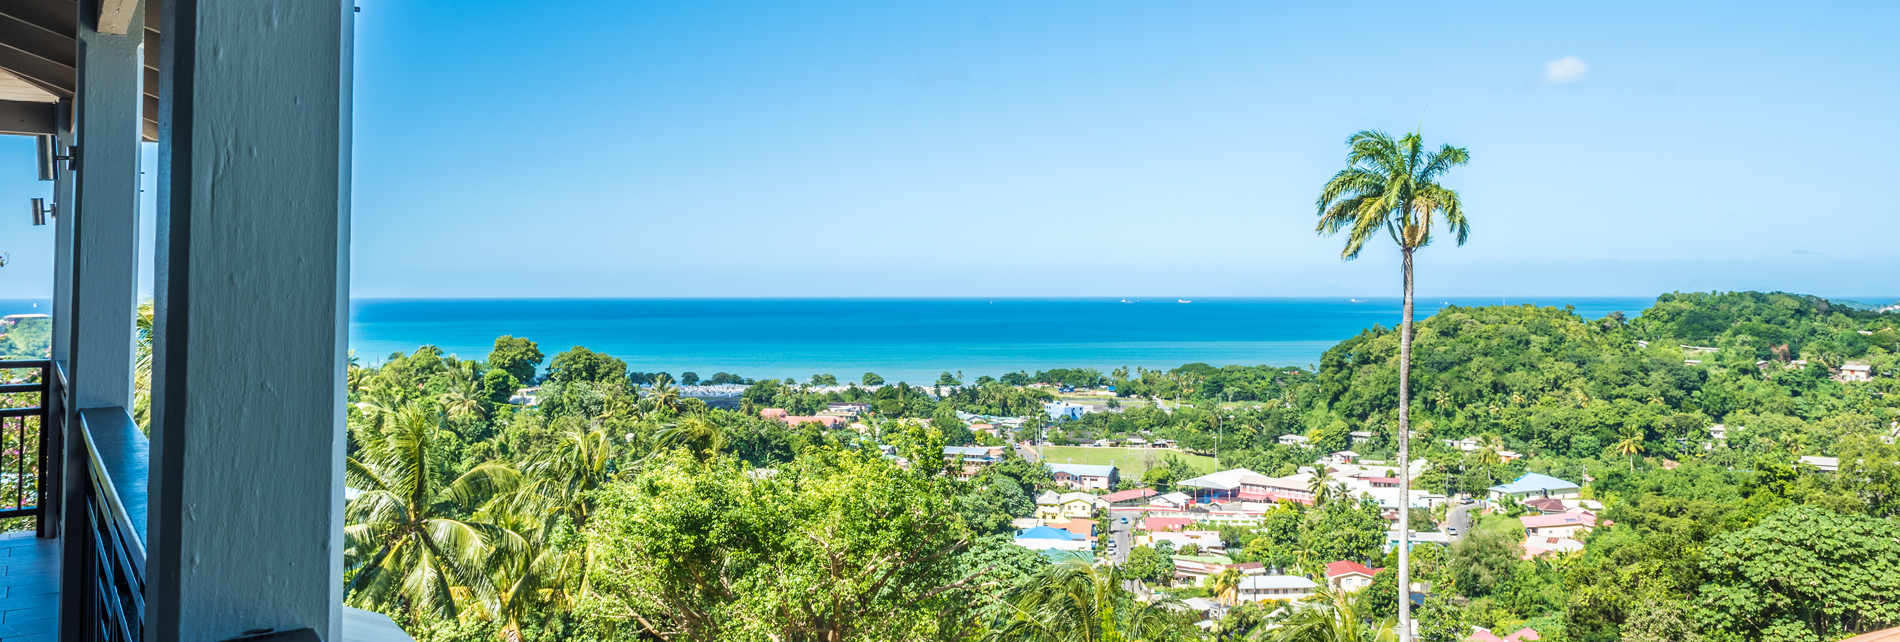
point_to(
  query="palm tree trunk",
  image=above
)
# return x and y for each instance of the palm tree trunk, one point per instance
(1405, 460)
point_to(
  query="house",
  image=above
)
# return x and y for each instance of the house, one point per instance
(1172, 500)
(1205, 541)
(1360, 436)
(1292, 588)
(1077, 525)
(1345, 457)
(1440, 538)
(1293, 440)
(1051, 507)
(526, 397)
(1127, 497)
(1826, 464)
(1063, 410)
(1535, 545)
(1381, 482)
(1192, 570)
(1084, 476)
(852, 407)
(1567, 525)
(1249, 568)
(1165, 524)
(1349, 576)
(1043, 538)
(1525, 634)
(1237, 483)
(971, 460)
(1536, 485)
(1297, 487)
(1855, 372)
(1546, 505)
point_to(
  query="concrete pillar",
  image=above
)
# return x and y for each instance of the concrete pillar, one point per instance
(246, 524)
(106, 212)
(63, 237)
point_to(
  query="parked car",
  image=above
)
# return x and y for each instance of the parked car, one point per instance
(1125, 521)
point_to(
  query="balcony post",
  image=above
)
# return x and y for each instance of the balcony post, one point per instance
(105, 280)
(246, 520)
(62, 237)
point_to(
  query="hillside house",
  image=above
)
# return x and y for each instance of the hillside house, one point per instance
(1053, 507)
(1084, 476)
(1349, 576)
(1568, 525)
(1298, 441)
(1855, 372)
(1193, 570)
(1134, 497)
(1292, 588)
(1536, 485)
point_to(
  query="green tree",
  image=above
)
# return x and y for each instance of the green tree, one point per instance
(1631, 444)
(1442, 622)
(834, 546)
(1804, 573)
(1391, 185)
(581, 364)
(871, 379)
(404, 540)
(824, 380)
(515, 356)
(946, 380)
(1146, 564)
(498, 386)
(689, 378)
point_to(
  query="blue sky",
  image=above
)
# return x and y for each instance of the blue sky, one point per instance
(1097, 149)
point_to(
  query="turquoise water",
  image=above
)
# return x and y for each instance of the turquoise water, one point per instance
(900, 339)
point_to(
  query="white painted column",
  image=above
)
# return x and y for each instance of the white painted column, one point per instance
(106, 212)
(246, 519)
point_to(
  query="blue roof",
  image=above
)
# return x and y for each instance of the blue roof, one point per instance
(1057, 556)
(1045, 532)
(1533, 482)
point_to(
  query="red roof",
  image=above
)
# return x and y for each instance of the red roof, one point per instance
(1252, 497)
(1166, 523)
(1129, 494)
(1559, 519)
(1342, 567)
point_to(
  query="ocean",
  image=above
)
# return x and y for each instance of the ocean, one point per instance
(899, 339)
(910, 340)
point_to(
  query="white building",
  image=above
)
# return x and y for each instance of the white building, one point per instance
(1292, 588)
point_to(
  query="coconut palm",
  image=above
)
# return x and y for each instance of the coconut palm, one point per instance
(142, 369)
(1391, 185)
(1490, 455)
(663, 398)
(403, 541)
(1631, 444)
(1079, 602)
(1321, 486)
(1330, 616)
(464, 396)
(1225, 585)
(696, 433)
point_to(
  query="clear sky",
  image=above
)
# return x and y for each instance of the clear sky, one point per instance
(1097, 148)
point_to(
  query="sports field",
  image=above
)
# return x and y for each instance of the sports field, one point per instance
(1132, 462)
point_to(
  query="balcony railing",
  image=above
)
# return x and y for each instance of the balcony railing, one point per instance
(117, 456)
(30, 413)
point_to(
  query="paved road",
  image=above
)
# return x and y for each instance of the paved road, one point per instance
(1458, 518)
(1123, 535)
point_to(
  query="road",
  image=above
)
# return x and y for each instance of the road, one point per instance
(1458, 518)
(1123, 535)
(1026, 452)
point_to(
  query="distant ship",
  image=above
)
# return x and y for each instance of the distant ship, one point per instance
(1356, 301)
(1183, 301)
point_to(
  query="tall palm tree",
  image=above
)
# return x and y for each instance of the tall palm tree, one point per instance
(403, 541)
(142, 369)
(464, 396)
(1391, 185)
(1631, 444)
(697, 433)
(1225, 585)
(1321, 486)
(1490, 455)
(1330, 616)
(1079, 602)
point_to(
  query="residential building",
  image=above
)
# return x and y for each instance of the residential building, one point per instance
(1166, 524)
(1063, 410)
(1825, 464)
(1293, 588)
(1568, 524)
(1440, 538)
(1052, 507)
(1134, 497)
(1535, 545)
(1536, 485)
(1076, 525)
(1546, 505)
(1172, 500)
(1084, 476)
(1293, 440)
(526, 396)
(1205, 541)
(1360, 436)
(1856, 372)
(1192, 570)
(1345, 457)
(971, 460)
(1349, 576)
(1042, 538)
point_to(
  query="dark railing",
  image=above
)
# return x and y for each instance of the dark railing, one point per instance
(26, 431)
(117, 456)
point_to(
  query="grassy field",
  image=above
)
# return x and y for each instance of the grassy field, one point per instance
(1132, 461)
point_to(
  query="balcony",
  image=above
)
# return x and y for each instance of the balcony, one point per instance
(227, 522)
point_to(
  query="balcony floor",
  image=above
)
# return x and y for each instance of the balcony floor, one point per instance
(29, 588)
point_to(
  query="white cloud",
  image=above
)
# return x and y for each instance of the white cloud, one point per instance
(1565, 70)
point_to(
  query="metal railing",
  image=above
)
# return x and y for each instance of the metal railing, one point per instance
(112, 539)
(29, 434)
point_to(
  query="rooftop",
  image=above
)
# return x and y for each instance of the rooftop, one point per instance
(1534, 482)
(1082, 470)
(1267, 582)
